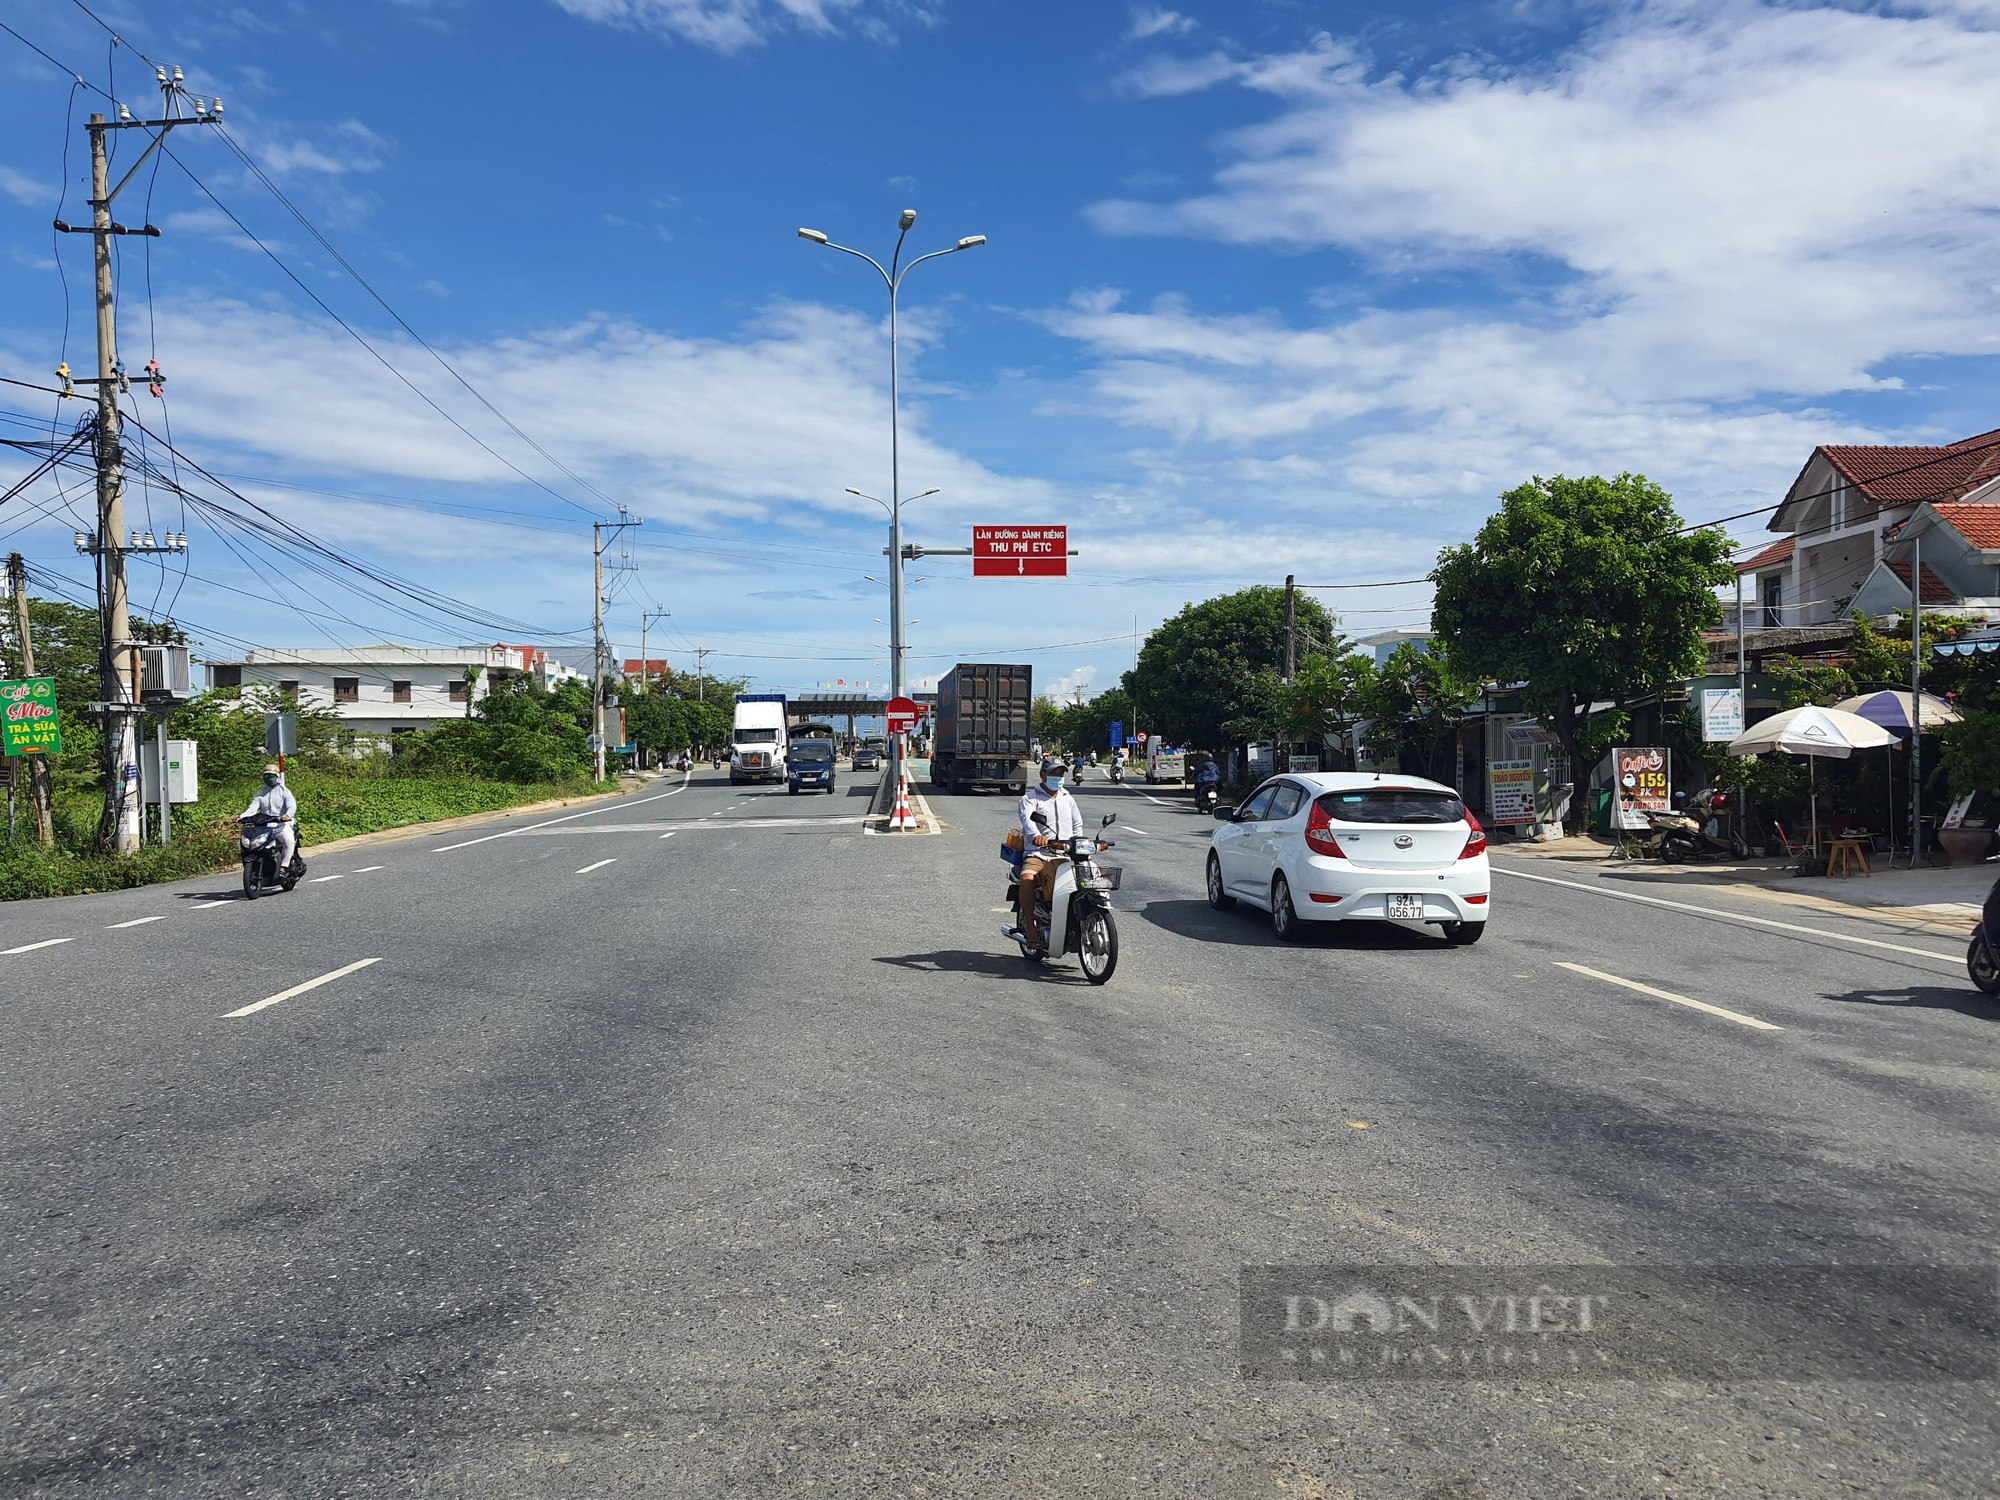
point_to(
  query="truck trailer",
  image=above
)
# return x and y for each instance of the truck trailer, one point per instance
(982, 727)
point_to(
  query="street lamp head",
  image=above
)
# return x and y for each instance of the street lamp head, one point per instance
(906, 218)
(969, 241)
(814, 235)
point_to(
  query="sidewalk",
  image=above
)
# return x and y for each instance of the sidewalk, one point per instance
(1947, 897)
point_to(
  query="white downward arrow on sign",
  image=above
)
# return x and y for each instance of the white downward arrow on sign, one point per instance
(1021, 565)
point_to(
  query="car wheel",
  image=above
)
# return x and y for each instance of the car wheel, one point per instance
(793, 790)
(1218, 896)
(1464, 934)
(1284, 917)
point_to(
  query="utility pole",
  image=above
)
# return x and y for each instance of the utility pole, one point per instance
(701, 654)
(645, 663)
(1916, 698)
(118, 830)
(1291, 634)
(38, 770)
(598, 530)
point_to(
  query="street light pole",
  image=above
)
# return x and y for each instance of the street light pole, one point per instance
(892, 278)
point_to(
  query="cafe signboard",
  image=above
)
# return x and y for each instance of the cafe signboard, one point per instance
(29, 724)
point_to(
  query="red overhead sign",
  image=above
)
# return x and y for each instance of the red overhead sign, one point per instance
(902, 715)
(1020, 551)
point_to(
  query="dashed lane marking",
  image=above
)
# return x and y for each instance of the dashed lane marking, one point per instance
(1701, 1005)
(135, 922)
(209, 905)
(565, 818)
(598, 866)
(318, 878)
(31, 947)
(366, 868)
(670, 833)
(299, 989)
(1731, 916)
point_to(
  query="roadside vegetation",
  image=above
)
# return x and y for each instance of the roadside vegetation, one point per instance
(517, 745)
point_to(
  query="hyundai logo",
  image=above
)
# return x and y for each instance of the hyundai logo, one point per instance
(1404, 841)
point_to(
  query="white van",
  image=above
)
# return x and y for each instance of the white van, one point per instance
(759, 743)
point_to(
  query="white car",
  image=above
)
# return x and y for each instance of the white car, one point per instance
(1341, 846)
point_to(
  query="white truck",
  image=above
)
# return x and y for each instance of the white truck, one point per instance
(759, 742)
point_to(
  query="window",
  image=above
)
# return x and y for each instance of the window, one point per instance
(756, 736)
(399, 692)
(347, 690)
(1258, 805)
(1773, 587)
(225, 677)
(1392, 804)
(289, 686)
(1289, 799)
(458, 691)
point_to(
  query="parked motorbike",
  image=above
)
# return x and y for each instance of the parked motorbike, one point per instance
(260, 857)
(1683, 835)
(1077, 913)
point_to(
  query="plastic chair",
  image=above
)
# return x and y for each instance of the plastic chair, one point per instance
(1790, 845)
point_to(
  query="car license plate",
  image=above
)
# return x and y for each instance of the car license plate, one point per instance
(1406, 906)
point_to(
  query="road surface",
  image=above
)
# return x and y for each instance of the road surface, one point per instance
(708, 1143)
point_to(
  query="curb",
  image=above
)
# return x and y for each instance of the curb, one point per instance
(468, 820)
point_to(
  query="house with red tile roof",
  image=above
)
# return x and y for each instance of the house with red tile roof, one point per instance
(1860, 521)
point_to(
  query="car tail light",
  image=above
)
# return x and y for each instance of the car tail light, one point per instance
(1319, 834)
(1325, 900)
(1475, 900)
(1475, 842)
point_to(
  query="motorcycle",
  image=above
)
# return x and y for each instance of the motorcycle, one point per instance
(1683, 835)
(1118, 773)
(260, 857)
(1206, 795)
(1077, 913)
(1076, 770)
(1982, 962)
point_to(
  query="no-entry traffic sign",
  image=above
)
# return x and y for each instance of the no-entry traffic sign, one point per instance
(902, 715)
(1020, 551)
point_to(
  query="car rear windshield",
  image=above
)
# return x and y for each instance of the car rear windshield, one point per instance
(1392, 804)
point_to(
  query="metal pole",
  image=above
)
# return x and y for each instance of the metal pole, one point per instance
(166, 806)
(597, 646)
(1916, 688)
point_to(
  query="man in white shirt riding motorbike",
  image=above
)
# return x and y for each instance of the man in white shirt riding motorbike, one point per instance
(1065, 821)
(276, 801)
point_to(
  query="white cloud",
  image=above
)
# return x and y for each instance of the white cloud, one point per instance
(1720, 214)
(1149, 21)
(732, 25)
(25, 189)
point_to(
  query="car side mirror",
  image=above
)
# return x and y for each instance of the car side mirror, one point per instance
(1225, 814)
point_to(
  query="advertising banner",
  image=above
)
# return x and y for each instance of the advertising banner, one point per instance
(1721, 714)
(1510, 793)
(1644, 778)
(28, 721)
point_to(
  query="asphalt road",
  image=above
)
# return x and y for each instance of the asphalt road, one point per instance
(708, 1144)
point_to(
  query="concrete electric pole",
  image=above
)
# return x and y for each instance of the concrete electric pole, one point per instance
(598, 530)
(1291, 635)
(118, 830)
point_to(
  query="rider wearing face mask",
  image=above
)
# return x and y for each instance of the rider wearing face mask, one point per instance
(1065, 819)
(277, 801)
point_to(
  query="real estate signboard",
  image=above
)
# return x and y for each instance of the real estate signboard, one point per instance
(29, 724)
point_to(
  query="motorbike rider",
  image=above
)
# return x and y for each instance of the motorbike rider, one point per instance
(276, 801)
(1207, 777)
(1065, 819)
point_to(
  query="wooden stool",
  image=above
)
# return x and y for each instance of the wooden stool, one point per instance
(1844, 852)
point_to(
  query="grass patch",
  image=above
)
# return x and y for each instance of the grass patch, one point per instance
(332, 805)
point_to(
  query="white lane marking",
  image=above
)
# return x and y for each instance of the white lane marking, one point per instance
(135, 922)
(366, 868)
(1151, 798)
(1646, 989)
(670, 833)
(598, 866)
(209, 905)
(31, 947)
(318, 878)
(300, 989)
(1733, 916)
(1128, 828)
(565, 818)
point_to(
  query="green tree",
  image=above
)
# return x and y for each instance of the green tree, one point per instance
(1197, 672)
(1327, 696)
(1578, 590)
(1415, 703)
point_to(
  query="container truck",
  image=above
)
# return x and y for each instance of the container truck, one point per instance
(982, 727)
(757, 744)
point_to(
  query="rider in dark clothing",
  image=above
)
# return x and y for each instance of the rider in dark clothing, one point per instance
(1208, 773)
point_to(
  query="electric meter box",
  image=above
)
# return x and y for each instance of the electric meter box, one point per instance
(183, 772)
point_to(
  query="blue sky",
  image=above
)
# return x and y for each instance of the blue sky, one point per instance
(1272, 287)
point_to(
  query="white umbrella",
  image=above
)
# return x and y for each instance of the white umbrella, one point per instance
(1812, 732)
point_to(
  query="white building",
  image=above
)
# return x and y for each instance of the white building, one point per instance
(384, 690)
(1383, 643)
